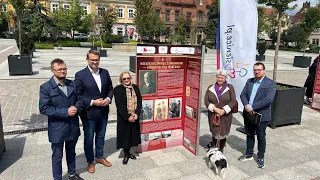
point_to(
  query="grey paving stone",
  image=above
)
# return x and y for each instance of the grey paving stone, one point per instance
(232, 173)
(291, 173)
(198, 176)
(168, 158)
(163, 172)
(261, 177)
(312, 168)
(192, 167)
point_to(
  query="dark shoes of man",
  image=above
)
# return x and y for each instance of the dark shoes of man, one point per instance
(75, 177)
(126, 158)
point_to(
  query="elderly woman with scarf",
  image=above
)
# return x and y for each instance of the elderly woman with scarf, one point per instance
(220, 98)
(129, 102)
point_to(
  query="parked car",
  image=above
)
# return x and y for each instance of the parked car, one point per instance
(81, 36)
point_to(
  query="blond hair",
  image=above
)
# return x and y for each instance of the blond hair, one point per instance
(121, 76)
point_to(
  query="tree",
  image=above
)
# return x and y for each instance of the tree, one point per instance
(212, 24)
(109, 17)
(179, 35)
(19, 7)
(141, 16)
(312, 19)
(69, 20)
(262, 18)
(280, 7)
(298, 35)
(4, 19)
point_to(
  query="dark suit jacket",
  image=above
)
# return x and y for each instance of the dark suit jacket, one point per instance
(151, 89)
(87, 89)
(263, 99)
(54, 104)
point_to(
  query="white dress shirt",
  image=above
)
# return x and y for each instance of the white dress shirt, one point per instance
(97, 78)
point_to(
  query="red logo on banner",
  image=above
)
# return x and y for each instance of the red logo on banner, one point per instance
(145, 50)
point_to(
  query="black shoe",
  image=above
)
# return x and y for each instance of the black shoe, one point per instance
(125, 160)
(131, 156)
(75, 177)
(210, 145)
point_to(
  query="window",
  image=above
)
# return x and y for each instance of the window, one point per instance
(119, 31)
(199, 17)
(315, 41)
(3, 7)
(168, 15)
(188, 15)
(100, 10)
(120, 13)
(85, 8)
(54, 7)
(158, 12)
(66, 6)
(176, 15)
(130, 13)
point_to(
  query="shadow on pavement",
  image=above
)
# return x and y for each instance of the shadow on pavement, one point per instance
(14, 149)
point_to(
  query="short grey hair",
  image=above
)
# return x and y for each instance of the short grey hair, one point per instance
(222, 72)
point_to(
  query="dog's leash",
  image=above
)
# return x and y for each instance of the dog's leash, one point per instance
(217, 122)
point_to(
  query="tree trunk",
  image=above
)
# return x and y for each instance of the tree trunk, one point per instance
(20, 48)
(275, 66)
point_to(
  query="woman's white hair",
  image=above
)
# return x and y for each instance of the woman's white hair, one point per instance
(222, 72)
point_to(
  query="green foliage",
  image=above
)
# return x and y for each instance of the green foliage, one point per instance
(146, 21)
(282, 87)
(4, 18)
(109, 17)
(105, 45)
(68, 43)
(133, 42)
(298, 35)
(111, 38)
(262, 20)
(180, 32)
(44, 45)
(210, 46)
(70, 20)
(262, 47)
(19, 6)
(27, 42)
(312, 19)
(211, 29)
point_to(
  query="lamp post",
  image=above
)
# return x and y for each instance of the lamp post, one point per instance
(125, 37)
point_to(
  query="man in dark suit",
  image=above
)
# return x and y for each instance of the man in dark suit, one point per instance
(94, 86)
(257, 97)
(149, 87)
(60, 103)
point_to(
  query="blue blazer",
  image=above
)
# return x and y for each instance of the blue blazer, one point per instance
(263, 99)
(87, 90)
(54, 104)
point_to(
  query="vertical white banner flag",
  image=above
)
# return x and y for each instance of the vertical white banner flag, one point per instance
(238, 38)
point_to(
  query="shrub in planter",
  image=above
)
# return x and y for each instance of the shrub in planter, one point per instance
(27, 42)
(262, 47)
(111, 38)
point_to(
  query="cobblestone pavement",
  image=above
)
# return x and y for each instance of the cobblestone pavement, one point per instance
(292, 151)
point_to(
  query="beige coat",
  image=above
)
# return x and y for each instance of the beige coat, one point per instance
(227, 102)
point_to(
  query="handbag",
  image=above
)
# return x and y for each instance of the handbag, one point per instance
(216, 120)
(255, 118)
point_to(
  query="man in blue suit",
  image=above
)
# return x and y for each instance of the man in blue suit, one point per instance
(94, 86)
(60, 103)
(257, 97)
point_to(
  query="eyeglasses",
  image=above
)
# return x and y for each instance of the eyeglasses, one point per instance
(126, 78)
(60, 70)
(258, 70)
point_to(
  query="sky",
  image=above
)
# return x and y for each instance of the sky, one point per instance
(300, 2)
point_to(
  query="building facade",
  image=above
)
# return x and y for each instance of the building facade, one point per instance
(194, 10)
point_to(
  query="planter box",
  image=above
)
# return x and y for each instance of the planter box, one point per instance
(2, 143)
(95, 48)
(287, 106)
(260, 57)
(103, 53)
(132, 64)
(301, 61)
(20, 65)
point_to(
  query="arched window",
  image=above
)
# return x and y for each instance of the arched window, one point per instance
(200, 16)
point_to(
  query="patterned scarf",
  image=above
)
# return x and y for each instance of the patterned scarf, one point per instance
(131, 99)
(219, 92)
